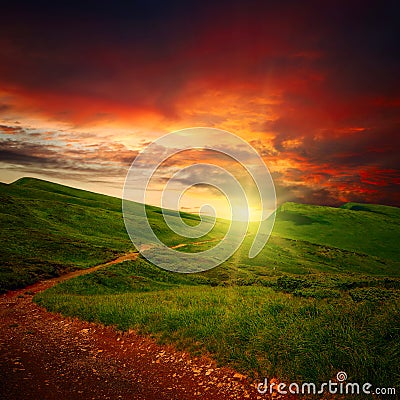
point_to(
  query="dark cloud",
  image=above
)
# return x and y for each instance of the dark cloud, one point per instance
(146, 55)
(331, 69)
(112, 159)
(11, 130)
(305, 194)
(17, 157)
(348, 147)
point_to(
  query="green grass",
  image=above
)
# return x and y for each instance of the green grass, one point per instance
(322, 296)
(362, 228)
(292, 327)
(49, 229)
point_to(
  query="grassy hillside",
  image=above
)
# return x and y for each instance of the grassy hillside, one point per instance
(49, 229)
(322, 296)
(363, 228)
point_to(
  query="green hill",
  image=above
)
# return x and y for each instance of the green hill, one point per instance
(366, 228)
(48, 229)
(322, 296)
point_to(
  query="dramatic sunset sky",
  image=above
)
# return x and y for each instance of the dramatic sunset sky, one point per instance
(313, 86)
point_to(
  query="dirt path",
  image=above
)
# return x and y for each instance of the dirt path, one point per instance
(126, 257)
(177, 246)
(47, 356)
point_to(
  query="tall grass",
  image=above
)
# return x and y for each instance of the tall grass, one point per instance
(257, 330)
(262, 331)
(322, 296)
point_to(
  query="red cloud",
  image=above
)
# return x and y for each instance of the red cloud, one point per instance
(315, 89)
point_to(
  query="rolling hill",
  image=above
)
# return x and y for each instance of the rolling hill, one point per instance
(48, 229)
(322, 296)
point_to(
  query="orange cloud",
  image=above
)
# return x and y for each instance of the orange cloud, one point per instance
(315, 91)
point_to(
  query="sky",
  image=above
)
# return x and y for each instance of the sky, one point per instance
(313, 86)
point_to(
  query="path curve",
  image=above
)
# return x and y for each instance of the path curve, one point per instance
(48, 356)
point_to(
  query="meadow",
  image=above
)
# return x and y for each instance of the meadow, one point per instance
(322, 296)
(49, 229)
